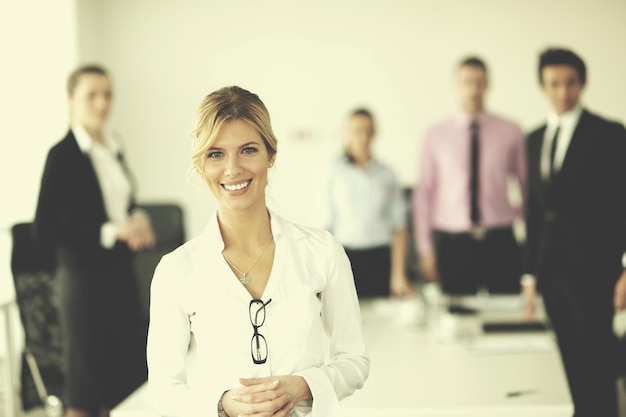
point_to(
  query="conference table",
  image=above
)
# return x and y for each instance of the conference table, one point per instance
(426, 361)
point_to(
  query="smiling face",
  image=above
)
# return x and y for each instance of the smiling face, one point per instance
(235, 167)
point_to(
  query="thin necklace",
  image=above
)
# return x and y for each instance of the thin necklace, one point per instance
(245, 280)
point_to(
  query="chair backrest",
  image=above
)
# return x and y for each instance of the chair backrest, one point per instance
(168, 223)
(412, 259)
(33, 268)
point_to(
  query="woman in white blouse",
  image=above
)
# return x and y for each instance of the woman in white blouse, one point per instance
(271, 304)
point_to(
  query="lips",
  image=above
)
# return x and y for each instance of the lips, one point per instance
(238, 186)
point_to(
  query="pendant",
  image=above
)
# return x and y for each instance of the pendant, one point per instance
(244, 280)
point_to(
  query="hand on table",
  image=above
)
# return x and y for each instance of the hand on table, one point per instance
(619, 294)
(400, 286)
(428, 267)
(529, 292)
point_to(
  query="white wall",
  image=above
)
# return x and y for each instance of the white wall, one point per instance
(38, 48)
(38, 41)
(311, 62)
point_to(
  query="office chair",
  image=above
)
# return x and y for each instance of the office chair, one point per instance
(168, 223)
(32, 265)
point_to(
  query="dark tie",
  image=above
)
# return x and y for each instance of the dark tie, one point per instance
(553, 152)
(474, 180)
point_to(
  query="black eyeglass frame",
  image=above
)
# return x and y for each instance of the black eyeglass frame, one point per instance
(256, 336)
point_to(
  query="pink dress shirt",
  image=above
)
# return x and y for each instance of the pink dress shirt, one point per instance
(442, 197)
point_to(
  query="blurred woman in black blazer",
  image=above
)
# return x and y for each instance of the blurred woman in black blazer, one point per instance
(85, 211)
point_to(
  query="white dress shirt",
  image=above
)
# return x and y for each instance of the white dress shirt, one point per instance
(566, 123)
(365, 205)
(114, 184)
(312, 326)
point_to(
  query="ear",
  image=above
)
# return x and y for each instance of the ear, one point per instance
(270, 162)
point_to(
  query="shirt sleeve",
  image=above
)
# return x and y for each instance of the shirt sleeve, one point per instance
(169, 336)
(398, 206)
(423, 201)
(348, 365)
(520, 167)
(108, 235)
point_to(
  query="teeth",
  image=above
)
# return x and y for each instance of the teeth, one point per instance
(236, 187)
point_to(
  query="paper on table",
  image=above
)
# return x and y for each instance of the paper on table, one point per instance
(500, 344)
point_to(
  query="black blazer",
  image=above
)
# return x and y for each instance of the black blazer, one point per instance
(582, 213)
(70, 210)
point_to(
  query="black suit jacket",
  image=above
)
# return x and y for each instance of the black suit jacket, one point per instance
(70, 210)
(581, 216)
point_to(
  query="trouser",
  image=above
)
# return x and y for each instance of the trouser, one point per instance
(371, 268)
(467, 262)
(581, 311)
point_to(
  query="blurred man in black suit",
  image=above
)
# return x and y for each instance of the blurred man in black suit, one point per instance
(576, 232)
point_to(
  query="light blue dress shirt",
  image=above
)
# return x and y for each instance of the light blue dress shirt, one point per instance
(366, 205)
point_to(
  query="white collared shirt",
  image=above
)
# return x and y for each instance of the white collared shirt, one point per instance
(312, 326)
(567, 124)
(114, 184)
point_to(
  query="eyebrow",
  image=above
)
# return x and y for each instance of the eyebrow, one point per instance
(245, 145)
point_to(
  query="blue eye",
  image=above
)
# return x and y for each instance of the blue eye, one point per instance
(214, 155)
(249, 149)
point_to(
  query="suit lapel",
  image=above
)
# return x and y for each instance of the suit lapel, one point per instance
(87, 177)
(535, 149)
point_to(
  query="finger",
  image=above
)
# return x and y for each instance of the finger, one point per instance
(265, 396)
(285, 411)
(250, 393)
(266, 407)
(272, 381)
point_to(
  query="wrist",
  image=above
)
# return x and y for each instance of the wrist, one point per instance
(528, 280)
(220, 408)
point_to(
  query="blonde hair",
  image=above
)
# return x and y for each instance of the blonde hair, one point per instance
(224, 105)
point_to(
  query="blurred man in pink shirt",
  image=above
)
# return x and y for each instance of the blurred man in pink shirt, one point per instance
(462, 212)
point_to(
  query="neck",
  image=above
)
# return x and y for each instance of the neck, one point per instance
(361, 160)
(95, 133)
(473, 111)
(245, 228)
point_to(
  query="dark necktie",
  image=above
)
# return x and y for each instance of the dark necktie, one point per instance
(553, 152)
(474, 180)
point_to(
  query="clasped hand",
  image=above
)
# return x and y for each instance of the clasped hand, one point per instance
(264, 397)
(137, 232)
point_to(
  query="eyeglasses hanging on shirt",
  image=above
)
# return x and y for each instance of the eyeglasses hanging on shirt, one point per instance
(258, 344)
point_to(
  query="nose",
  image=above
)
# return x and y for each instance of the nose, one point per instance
(102, 103)
(232, 168)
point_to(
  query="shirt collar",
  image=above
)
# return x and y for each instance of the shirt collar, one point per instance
(86, 142)
(280, 227)
(567, 119)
